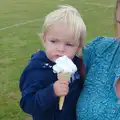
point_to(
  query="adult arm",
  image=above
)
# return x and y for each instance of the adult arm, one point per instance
(96, 48)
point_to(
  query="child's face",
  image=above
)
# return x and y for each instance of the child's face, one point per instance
(59, 41)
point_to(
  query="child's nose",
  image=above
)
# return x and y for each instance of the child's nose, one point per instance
(61, 48)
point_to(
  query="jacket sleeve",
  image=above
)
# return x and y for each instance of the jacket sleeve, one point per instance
(34, 95)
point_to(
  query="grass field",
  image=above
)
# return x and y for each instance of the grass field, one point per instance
(20, 22)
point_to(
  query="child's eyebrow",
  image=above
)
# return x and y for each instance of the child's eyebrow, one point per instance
(55, 39)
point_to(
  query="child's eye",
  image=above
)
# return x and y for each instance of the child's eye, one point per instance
(71, 45)
(53, 41)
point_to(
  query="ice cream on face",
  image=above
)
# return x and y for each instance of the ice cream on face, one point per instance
(64, 64)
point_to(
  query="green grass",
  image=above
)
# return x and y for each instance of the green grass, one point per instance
(18, 43)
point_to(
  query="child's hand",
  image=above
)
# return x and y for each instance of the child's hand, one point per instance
(61, 88)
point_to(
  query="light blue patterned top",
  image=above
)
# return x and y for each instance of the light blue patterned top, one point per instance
(98, 100)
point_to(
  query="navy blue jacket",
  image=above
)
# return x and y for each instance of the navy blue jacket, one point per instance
(36, 86)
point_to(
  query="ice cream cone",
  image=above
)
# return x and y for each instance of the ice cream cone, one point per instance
(63, 76)
(64, 67)
(61, 102)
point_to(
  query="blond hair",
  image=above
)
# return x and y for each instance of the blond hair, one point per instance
(71, 17)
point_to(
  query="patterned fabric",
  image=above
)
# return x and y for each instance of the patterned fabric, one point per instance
(98, 100)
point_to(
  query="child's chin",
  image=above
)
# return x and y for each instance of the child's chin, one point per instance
(53, 59)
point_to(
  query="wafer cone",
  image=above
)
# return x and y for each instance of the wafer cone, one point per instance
(63, 76)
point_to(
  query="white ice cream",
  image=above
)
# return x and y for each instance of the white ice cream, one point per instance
(64, 64)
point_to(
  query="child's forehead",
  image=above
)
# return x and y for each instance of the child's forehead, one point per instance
(60, 30)
(61, 36)
(60, 26)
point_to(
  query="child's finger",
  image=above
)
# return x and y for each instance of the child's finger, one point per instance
(64, 86)
(64, 92)
(63, 82)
